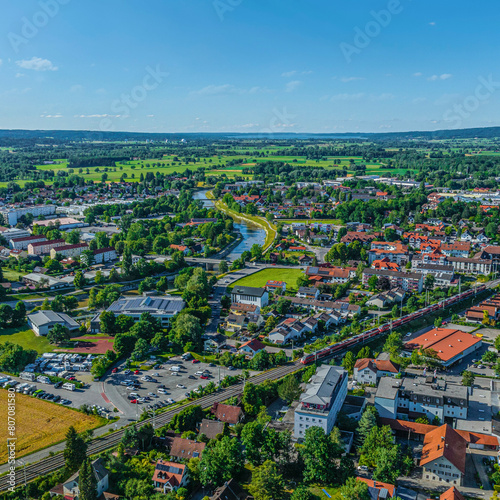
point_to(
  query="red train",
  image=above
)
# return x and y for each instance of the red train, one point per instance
(361, 338)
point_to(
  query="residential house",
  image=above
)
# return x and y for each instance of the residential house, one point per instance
(211, 428)
(185, 449)
(378, 490)
(407, 281)
(227, 413)
(169, 476)
(279, 286)
(252, 347)
(368, 370)
(231, 490)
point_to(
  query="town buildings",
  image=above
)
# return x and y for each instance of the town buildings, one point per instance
(250, 295)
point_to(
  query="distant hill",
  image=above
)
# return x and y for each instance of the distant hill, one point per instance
(89, 135)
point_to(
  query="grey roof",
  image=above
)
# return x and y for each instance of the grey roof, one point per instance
(157, 306)
(249, 290)
(43, 318)
(322, 385)
(418, 385)
(388, 388)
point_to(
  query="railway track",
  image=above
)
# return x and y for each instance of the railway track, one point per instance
(98, 445)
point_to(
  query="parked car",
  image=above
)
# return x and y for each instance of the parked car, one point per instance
(204, 377)
(195, 361)
(114, 370)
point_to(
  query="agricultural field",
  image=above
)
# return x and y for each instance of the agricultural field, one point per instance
(40, 424)
(290, 276)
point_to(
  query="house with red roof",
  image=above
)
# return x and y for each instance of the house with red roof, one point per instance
(378, 490)
(368, 370)
(227, 413)
(443, 456)
(451, 494)
(252, 347)
(169, 476)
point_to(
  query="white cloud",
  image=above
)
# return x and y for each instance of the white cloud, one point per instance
(444, 76)
(19, 75)
(58, 115)
(417, 74)
(37, 64)
(432, 23)
(1, 61)
(288, 74)
(293, 85)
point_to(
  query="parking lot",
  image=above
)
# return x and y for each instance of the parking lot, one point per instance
(166, 388)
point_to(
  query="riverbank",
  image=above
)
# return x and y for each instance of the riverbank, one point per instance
(269, 228)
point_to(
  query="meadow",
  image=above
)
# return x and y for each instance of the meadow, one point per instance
(259, 279)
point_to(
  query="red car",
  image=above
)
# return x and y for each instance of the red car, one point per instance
(195, 361)
(114, 370)
(137, 372)
(71, 378)
(204, 377)
(134, 401)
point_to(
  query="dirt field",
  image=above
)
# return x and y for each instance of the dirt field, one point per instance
(91, 345)
(39, 424)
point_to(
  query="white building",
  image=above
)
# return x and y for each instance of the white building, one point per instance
(250, 295)
(322, 401)
(22, 243)
(12, 215)
(161, 308)
(412, 398)
(42, 322)
(104, 255)
(368, 371)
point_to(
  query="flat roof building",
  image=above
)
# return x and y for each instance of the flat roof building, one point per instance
(322, 401)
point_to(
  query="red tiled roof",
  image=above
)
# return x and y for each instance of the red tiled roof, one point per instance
(444, 442)
(227, 413)
(254, 344)
(451, 494)
(447, 342)
(184, 448)
(377, 484)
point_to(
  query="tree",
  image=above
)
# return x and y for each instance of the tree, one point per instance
(366, 423)
(289, 389)
(79, 280)
(187, 328)
(468, 378)
(76, 450)
(373, 282)
(379, 437)
(221, 462)
(429, 282)
(107, 322)
(58, 334)
(302, 493)
(187, 420)
(19, 314)
(355, 490)
(87, 483)
(387, 469)
(266, 483)
(141, 349)
(127, 266)
(349, 361)
(124, 343)
(438, 322)
(393, 344)
(318, 453)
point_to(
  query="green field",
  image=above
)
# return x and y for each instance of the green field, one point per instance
(26, 338)
(260, 278)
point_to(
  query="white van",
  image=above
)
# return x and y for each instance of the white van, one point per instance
(199, 373)
(134, 394)
(175, 368)
(162, 391)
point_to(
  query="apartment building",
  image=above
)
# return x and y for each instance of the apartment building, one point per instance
(393, 251)
(412, 398)
(104, 255)
(456, 249)
(320, 403)
(22, 243)
(250, 295)
(69, 250)
(471, 266)
(44, 247)
(12, 215)
(406, 281)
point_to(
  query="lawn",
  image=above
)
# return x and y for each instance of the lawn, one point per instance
(39, 424)
(260, 279)
(26, 338)
(11, 275)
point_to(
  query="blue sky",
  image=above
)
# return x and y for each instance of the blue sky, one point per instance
(249, 65)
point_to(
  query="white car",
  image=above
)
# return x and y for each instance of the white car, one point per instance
(162, 391)
(408, 334)
(180, 386)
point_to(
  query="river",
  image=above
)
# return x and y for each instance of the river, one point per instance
(251, 233)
